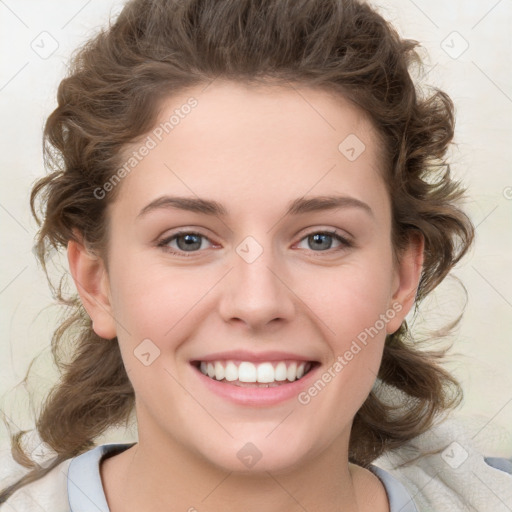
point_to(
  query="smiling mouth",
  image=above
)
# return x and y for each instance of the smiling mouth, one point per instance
(255, 375)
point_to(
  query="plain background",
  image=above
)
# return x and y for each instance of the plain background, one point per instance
(467, 51)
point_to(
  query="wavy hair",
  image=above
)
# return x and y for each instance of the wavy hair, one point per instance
(111, 96)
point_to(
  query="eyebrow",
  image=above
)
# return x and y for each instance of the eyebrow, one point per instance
(295, 207)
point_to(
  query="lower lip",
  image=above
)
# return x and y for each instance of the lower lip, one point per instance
(257, 396)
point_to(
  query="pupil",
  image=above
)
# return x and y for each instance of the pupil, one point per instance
(316, 238)
(189, 242)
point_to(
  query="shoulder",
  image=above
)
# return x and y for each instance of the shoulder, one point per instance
(85, 486)
(47, 493)
(461, 476)
(500, 463)
(72, 486)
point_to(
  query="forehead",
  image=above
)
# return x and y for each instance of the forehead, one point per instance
(254, 115)
(246, 144)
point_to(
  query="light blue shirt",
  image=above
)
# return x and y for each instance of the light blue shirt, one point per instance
(85, 489)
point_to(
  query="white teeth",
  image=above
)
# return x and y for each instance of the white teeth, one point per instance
(219, 371)
(291, 372)
(247, 372)
(251, 373)
(231, 371)
(265, 372)
(280, 372)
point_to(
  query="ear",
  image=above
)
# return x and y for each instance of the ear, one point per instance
(91, 280)
(406, 279)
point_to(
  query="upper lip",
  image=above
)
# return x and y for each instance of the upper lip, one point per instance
(245, 355)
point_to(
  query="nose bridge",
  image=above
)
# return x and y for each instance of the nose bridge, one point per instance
(256, 292)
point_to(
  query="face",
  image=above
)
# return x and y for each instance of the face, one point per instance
(277, 277)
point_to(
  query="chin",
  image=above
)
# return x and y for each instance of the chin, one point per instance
(258, 455)
(255, 463)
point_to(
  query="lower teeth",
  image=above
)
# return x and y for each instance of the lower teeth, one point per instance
(254, 384)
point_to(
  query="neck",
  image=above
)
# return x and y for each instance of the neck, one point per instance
(150, 478)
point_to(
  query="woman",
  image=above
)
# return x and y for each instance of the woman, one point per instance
(253, 196)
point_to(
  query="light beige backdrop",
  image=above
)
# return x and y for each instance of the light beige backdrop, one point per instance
(468, 53)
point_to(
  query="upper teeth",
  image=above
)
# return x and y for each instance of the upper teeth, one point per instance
(246, 371)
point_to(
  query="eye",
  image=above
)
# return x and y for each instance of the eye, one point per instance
(186, 241)
(192, 242)
(322, 240)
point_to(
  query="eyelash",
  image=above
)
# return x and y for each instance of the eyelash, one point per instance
(345, 243)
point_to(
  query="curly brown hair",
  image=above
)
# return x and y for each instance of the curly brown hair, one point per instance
(111, 96)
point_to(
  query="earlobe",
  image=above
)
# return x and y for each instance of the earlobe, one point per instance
(407, 278)
(91, 280)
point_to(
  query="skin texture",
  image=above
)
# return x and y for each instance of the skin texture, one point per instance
(253, 149)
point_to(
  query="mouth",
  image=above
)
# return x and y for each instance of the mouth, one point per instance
(248, 374)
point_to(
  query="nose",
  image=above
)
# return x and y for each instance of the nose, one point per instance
(255, 292)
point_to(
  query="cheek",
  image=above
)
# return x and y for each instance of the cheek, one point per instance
(163, 304)
(352, 298)
(353, 309)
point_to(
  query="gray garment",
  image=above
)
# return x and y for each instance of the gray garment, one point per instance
(85, 490)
